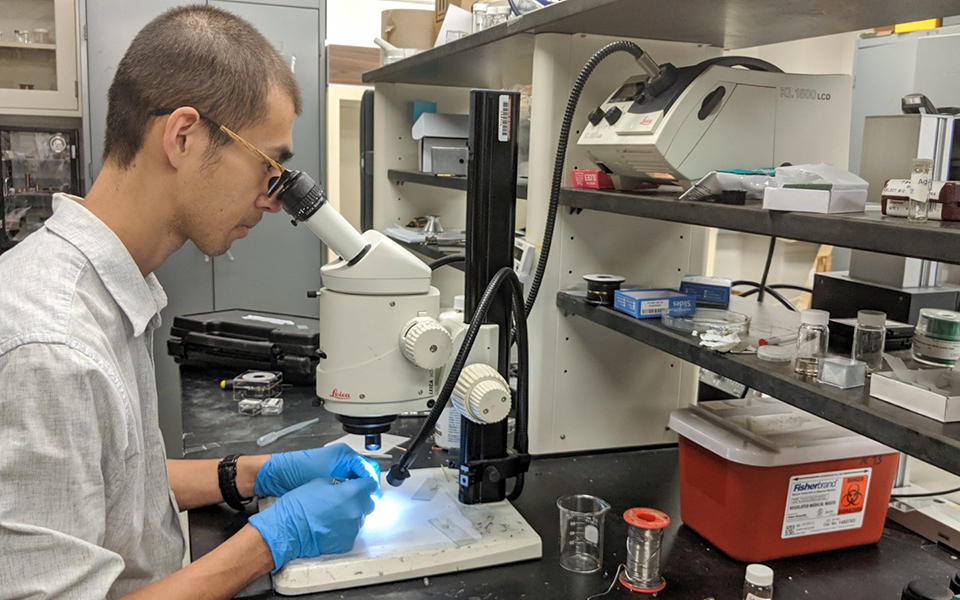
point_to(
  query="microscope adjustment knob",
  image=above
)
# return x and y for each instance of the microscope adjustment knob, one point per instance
(426, 343)
(482, 394)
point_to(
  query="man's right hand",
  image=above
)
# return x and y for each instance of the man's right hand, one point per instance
(315, 518)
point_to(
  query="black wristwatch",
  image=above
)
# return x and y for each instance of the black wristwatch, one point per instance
(227, 475)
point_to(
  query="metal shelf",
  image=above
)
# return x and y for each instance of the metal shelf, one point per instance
(23, 46)
(453, 182)
(475, 59)
(926, 439)
(433, 251)
(934, 240)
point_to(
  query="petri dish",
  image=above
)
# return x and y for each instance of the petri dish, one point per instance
(709, 320)
(777, 354)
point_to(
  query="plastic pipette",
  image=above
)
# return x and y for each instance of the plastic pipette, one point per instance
(269, 438)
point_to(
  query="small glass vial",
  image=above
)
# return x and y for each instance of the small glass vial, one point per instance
(758, 583)
(920, 175)
(869, 337)
(479, 10)
(812, 339)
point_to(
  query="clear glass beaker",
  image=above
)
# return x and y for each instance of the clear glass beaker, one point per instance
(581, 532)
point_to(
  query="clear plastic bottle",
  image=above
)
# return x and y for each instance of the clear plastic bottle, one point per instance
(812, 339)
(869, 337)
(758, 583)
(920, 175)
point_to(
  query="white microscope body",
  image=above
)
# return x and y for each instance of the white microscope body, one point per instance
(381, 344)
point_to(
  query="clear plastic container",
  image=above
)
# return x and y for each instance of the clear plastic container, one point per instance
(581, 532)
(920, 175)
(479, 11)
(868, 338)
(813, 338)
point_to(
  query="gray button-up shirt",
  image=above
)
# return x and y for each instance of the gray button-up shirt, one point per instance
(86, 510)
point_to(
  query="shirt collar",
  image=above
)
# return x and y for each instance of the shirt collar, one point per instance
(140, 298)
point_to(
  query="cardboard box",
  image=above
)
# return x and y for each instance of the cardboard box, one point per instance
(594, 179)
(407, 28)
(440, 9)
(940, 400)
(653, 303)
(439, 130)
(816, 201)
(708, 291)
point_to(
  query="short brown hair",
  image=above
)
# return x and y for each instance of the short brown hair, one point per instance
(196, 56)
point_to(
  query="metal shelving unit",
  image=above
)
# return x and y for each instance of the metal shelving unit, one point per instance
(433, 252)
(572, 356)
(934, 240)
(475, 59)
(926, 439)
(451, 182)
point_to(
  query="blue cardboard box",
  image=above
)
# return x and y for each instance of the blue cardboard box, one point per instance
(708, 291)
(652, 303)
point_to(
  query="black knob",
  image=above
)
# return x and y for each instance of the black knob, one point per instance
(397, 474)
(596, 116)
(924, 589)
(613, 115)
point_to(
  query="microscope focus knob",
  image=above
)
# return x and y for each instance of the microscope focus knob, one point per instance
(482, 394)
(426, 343)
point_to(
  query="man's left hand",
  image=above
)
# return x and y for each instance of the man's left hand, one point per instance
(286, 471)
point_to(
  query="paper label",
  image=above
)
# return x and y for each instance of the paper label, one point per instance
(753, 597)
(902, 187)
(900, 208)
(654, 307)
(822, 502)
(934, 348)
(503, 130)
(270, 320)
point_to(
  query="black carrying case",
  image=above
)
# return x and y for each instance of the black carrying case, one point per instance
(241, 339)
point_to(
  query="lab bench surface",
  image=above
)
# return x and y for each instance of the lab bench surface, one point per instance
(693, 568)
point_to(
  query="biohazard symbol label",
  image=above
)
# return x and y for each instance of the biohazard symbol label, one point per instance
(852, 494)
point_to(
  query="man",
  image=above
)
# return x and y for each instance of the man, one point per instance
(200, 112)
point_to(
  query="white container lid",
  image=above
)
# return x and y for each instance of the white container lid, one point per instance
(758, 574)
(871, 318)
(812, 316)
(764, 432)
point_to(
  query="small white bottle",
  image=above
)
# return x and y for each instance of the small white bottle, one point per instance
(812, 340)
(758, 583)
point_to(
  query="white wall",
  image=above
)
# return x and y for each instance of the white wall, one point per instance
(357, 22)
(828, 54)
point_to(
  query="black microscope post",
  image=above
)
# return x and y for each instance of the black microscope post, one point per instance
(491, 203)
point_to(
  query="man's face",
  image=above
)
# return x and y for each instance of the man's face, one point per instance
(226, 196)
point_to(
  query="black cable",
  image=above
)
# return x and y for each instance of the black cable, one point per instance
(926, 494)
(766, 267)
(790, 286)
(446, 260)
(574, 98)
(775, 294)
(400, 470)
(777, 286)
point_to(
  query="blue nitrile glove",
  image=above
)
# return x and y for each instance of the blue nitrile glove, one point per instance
(316, 518)
(286, 471)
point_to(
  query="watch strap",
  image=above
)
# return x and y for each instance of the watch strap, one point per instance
(227, 477)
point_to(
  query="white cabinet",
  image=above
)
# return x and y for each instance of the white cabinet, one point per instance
(38, 58)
